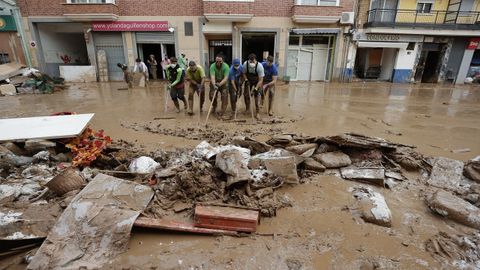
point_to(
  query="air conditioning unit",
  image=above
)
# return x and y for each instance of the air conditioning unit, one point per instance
(347, 18)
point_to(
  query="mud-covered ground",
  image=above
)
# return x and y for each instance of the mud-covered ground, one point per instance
(318, 231)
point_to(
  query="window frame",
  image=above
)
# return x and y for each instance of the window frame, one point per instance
(91, 2)
(424, 3)
(320, 3)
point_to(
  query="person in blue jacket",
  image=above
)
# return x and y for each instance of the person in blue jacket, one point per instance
(269, 81)
(235, 79)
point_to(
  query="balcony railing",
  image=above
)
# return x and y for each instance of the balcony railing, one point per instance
(437, 19)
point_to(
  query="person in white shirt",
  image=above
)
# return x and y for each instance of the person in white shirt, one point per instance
(141, 67)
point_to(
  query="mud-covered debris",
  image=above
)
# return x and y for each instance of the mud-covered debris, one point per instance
(280, 139)
(324, 147)
(472, 169)
(41, 156)
(333, 159)
(446, 173)
(313, 165)
(302, 148)
(369, 175)
(454, 208)
(407, 158)
(460, 250)
(372, 206)
(35, 146)
(232, 163)
(280, 163)
(226, 218)
(255, 147)
(143, 165)
(95, 227)
(358, 141)
(9, 160)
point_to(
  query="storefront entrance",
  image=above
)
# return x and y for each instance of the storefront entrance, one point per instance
(160, 44)
(220, 46)
(375, 63)
(310, 57)
(261, 44)
(428, 68)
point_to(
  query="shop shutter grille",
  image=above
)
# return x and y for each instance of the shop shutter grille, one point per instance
(155, 37)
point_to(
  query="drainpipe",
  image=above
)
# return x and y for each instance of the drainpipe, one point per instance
(18, 22)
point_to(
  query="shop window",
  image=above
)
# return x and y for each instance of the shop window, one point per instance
(317, 2)
(310, 40)
(4, 58)
(188, 28)
(424, 7)
(294, 40)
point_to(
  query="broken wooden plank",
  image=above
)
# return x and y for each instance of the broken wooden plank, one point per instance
(45, 127)
(177, 226)
(226, 218)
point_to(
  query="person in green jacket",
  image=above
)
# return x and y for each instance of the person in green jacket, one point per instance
(218, 83)
(176, 85)
(182, 62)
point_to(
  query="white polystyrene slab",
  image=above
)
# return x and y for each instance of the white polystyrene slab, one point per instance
(44, 127)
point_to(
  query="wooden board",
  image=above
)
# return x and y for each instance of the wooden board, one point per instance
(226, 218)
(44, 127)
(177, 226)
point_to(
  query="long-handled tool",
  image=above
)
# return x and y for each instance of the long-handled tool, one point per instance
(211, 105)
(166, 99)
(265, 94)
(254, 102)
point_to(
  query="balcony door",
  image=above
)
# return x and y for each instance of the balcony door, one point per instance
(383, 10)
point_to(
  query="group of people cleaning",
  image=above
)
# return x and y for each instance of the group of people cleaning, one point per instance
(258, 80)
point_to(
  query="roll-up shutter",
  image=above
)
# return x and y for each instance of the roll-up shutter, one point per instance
(155, 37)
(112, 44)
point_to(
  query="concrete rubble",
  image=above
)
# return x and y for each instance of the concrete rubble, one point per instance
(236, 171)
(372, 206)
(452, 207)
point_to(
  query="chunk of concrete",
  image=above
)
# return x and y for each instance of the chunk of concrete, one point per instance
(369, 175)
(8, 90)
(313, 165)
(35, 146)
(472, 169)
(233, 164)
(373, 207)
(454, 208)
(280, 139)
(333, 159)
(302, 148)
(280, 162)
(446, 173)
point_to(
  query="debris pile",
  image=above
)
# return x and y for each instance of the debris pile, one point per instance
(231, 171)
(32, 81)
(461, 249)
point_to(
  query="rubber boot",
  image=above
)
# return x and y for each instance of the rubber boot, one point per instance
(177, 105)
(190, 104)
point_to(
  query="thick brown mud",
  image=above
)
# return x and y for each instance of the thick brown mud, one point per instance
(318, 231)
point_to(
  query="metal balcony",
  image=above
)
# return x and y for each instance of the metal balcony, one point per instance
(435, 19)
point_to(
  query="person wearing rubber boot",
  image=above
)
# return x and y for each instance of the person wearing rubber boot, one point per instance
(196, 79)
(269, 81)
(218, 84)
(253, 74)
(235, 79)
(176, 86)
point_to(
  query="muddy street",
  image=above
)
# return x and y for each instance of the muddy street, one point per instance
(318, 230)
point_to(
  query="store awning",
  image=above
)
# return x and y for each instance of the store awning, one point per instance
(368, 44)
(315, 31)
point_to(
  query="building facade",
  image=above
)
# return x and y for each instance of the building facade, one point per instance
(306, 37)
(426, 41)
(11, 35)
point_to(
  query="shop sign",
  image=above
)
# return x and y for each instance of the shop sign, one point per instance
(473, 44)
(361, 36)
(131, 26)
(7, 23)
(382, 37)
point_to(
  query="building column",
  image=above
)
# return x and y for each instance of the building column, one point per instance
(464, 67)
(403, 69)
